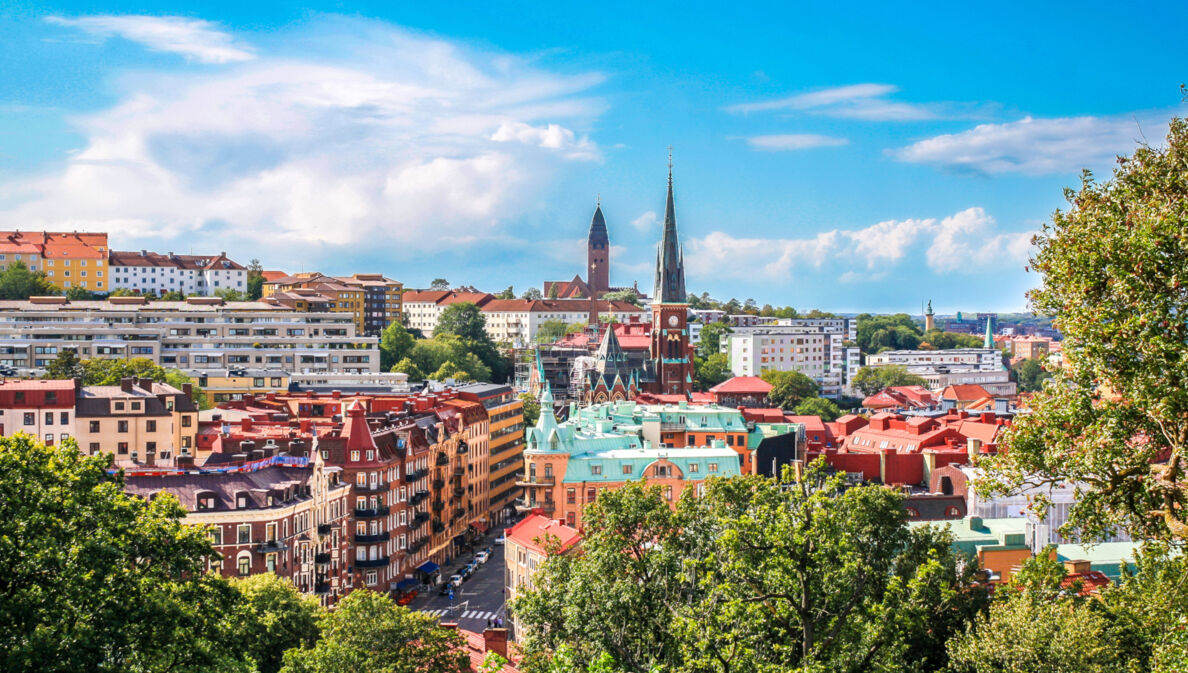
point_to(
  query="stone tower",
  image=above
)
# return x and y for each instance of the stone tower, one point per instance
(598, 255)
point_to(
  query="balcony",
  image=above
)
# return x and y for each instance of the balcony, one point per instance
(437, 505)
(324, 528)
(371, 488)
(418, 520)
(418, 545)
(463, 448)
(371, 512)
(372, 563)
(322, 559)
(418, 498)
(547, 506)
(438, 484)
(378, 537)
(458, 472)
(458, 512)
(534, 480)
(438, 526)
(271, 546)
(322, 588)
(410, 477)
(458, 491)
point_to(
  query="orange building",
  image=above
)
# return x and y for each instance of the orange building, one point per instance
(69, 259)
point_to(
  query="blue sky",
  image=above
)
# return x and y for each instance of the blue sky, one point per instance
(856, 157)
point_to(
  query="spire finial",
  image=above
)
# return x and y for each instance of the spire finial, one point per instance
(598, 200)
(670, 165)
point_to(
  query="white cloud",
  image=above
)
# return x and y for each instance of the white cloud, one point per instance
(1033, 146)
(794, 141)
(965, 242)
(195, 39)
(646, 221)
(404, 146)
(856, 101)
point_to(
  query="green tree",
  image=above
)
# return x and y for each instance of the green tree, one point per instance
(18, 282)
(1030, 375)
(941, 340)
(532, 294)
(553, 291)
(229, 295)
(711, 338)
(407, 366)
(65, 366)
(395, 344)
(439, 284)
(550, 331)
(369, 632)
(77, 293)
(712, 370)
(463, 319)
(626, 294)
(887, 332)
(870, 380)
(271, 617)
(1114, 267)
(531, 409)
(99, 372)
(173, 295)
(818, 406)
(789, 388)
(255, 279)
(97, 580)
(509, 293)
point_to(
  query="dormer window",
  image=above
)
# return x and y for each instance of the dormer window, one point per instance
(241, 500)
(206, 500)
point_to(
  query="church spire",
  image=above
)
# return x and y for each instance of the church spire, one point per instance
(598, 254)
(670, 263)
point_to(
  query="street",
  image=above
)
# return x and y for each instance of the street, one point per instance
(478, 599)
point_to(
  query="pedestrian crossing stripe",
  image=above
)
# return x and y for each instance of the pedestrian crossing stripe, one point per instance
(469, 614)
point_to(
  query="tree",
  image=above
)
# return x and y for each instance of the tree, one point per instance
(1114, 267)
(228, 294)
(395, 344)
(440, 284)
(712, 370)
(407, 366)
(531, 409)
(97, 580)
(509, 293)
(553, 291)
(369, 632)
(463, 319)
(255, 279)
(626, 294)
(550, 331)
(818, 406)
(78, 293)
(532, 294)
(1030, 375)
(18, 282)
(870, 380)
(271, 617)
(99, 372)
(65, 366)
(711, 338)
(173, 295)
(789, 388)
(887, 332)
(754, 575)
(941, 340)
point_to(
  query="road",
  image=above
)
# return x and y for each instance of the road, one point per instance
(479, 599)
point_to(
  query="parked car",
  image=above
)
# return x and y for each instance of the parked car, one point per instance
(502, 537)
(482, 557)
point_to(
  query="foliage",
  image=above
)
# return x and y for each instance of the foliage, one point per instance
(439, 284)
(96, 580)
(463, 319)
(462, 327)
(752, 576)
(1115, 268)
(941, 340)
(531, 409)
(711, 336)
(626, 294)
(819, 406)
(870, 380)
(99, 372)
(272, 616)
(79, 293)
(553, 291)
(887, 332)
(789, 388)
(18, 282)
(370, 632)
(65, 366)
(395, 343)
(173, 295)
(430, 355)
(509, 293)
(712, 370)
(532, 294)
(1030, 375)
(255, 279)
(407, 366)
(552, 330)
(229, 295)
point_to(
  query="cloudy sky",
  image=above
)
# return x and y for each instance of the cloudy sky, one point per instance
(856, 157)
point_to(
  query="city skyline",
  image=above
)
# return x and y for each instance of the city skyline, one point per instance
(473, 144)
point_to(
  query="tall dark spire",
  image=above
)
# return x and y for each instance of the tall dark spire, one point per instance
(598, 254)
(670, 258)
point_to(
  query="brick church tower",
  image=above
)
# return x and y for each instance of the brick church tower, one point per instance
(598, 255)
(671, 357)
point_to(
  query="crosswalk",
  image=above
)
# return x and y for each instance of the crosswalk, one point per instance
(468, 614)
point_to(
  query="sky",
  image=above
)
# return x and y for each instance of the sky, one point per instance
(849, 157)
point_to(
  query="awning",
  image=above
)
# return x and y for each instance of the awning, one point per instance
(406, 583)
(428, 567)
(478, 525)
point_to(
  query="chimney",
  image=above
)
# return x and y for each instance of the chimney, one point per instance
(188, 389)
(126, 384)
(973, 447)
(495, 640)
(246, 423)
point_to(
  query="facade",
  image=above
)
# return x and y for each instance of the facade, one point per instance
(147, 272)
(422, 308)
(227, 385)
(287, 516)
(742, 391)
(518, 321)
(198, 334)
(821, 348)
(941, 368)
(528, 544)
(372, 299)
(505, 412)
(43, 409)
(141, 422)
(382, 303)
(69, 259)
(568, 464)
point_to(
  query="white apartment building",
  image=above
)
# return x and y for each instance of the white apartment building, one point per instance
(779, 346)
(144, 272)
(518, 321)
(942, 368)
(422, 308)
(199, 333)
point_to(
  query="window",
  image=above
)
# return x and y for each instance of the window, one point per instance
(49, 439)
(270, 562)
(215, 534)
(372, 577)
(186, 421)
(122, 448)
(354, 455)
(49, 418)
(122, 426)
(64, 418)
(627, 469)
(150, 447)
(119, 406)
(245, 564)
(712, 467)
(570, 496)
(30, 418)
(595, 470)
(694, 467)
(150, 426)
(136, 406)
(244, 533)
(94, 448)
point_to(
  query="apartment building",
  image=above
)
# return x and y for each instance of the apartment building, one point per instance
(227, 385)
(957, 366)
(824, 349)
(382, 300)
(422, 308)
(505, 413)
(518, 321)
(43, 409)
(200, 333)
(374, 300)
(526, 548)
(69, 259)
(141, 422)
(282, 515)
(147, 272)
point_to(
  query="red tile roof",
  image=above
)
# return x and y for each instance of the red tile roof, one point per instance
(743, 385)
(964, 392)
(37, 384)
(536, 526)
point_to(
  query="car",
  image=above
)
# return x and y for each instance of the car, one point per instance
(482, 557)
(502, 537)
(455, 581)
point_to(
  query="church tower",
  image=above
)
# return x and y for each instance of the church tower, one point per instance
(670, 354)
(598, 255)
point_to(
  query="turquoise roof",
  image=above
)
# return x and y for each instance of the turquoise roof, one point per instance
(1108, 557)
(973, 533)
